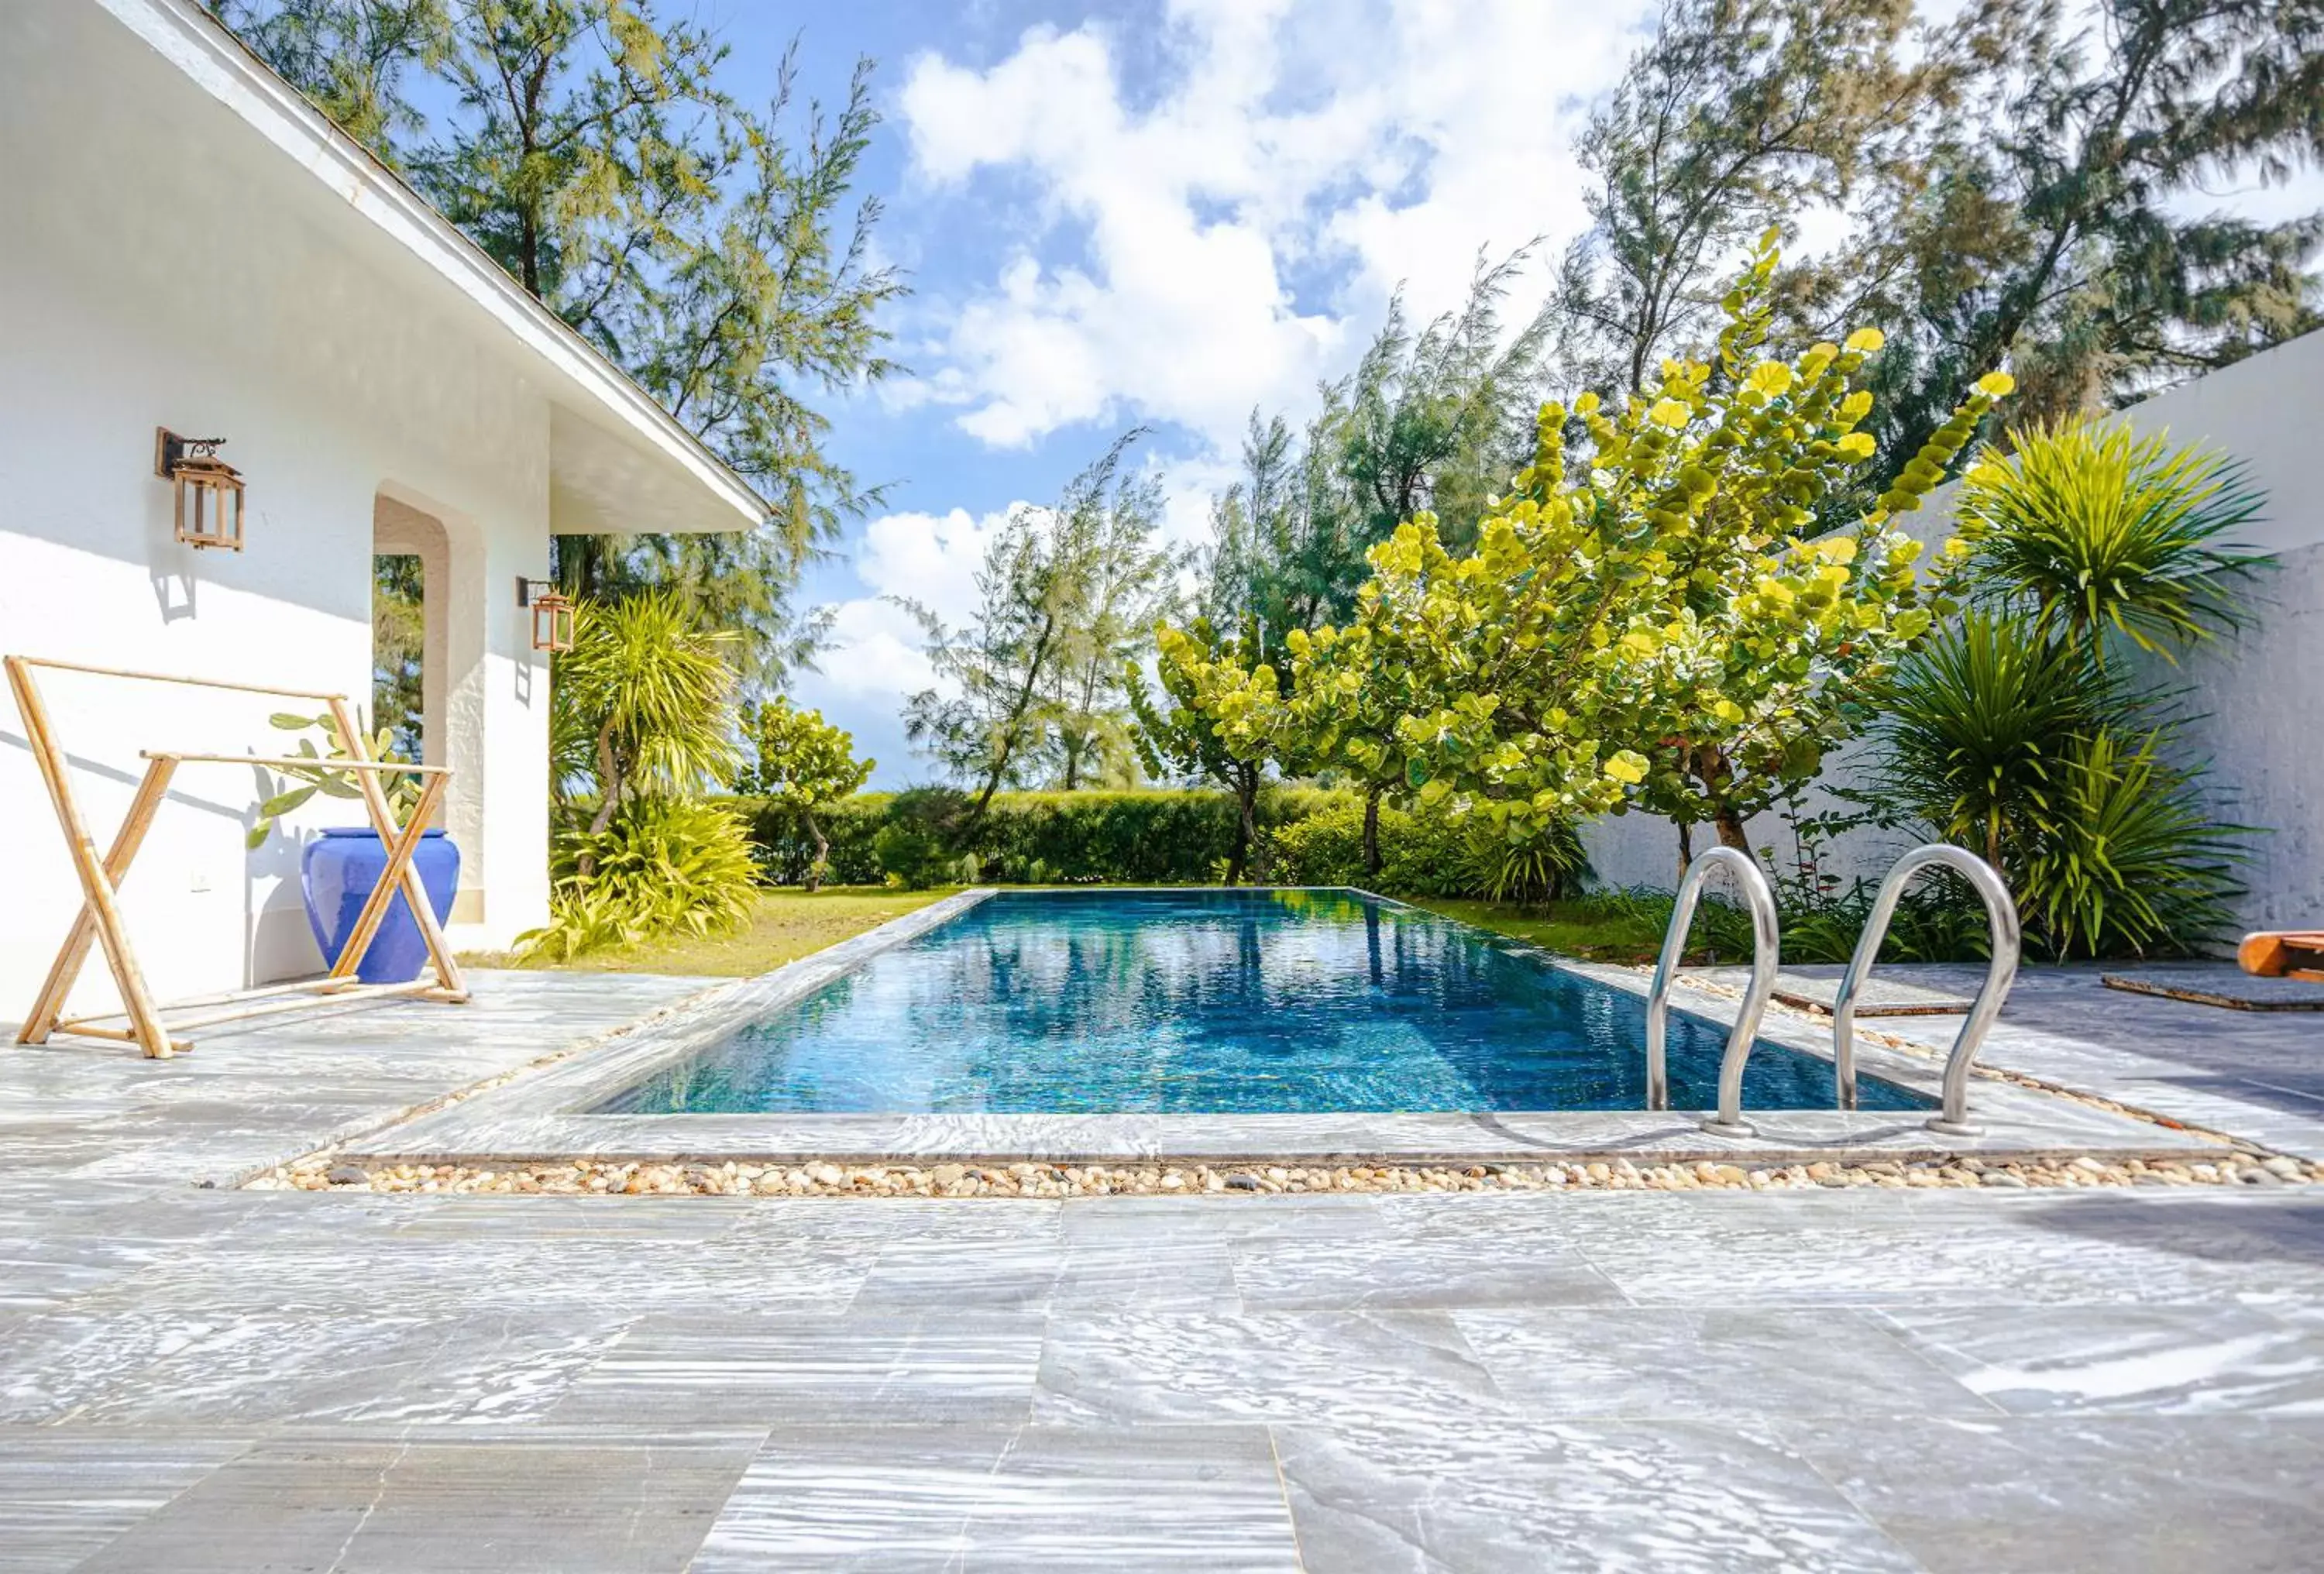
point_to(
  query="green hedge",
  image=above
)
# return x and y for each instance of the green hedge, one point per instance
(1176, 837)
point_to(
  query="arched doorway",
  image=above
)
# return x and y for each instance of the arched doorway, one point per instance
(428, 661)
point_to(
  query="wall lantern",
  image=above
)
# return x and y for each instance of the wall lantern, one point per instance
(552, 615)
(210, 490)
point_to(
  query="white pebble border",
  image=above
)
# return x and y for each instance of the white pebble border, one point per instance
(592, 1177)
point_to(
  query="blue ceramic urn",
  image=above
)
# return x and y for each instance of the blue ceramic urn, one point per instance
(338, 870)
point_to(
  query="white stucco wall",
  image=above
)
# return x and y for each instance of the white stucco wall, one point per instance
(161, 264)
(2256, 721)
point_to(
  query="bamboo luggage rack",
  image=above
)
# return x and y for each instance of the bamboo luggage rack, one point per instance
(100, 919)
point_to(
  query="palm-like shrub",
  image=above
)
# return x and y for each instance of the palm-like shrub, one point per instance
(2014, 732)
(2097, 531)
(644, 704)
(642, 721)
(2132, 861)
(1974, 724)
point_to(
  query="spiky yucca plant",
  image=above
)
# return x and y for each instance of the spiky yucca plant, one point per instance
(2096, 531)
(2013, 734)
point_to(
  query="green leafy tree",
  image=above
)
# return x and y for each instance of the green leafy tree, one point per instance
(399, 640)
(1032, 682)
(1660, 629)
(1433, 420)
(351, 57)
(803, 764)
(2053, 224)
(1194, 728)
(1739, 115)
(711, 249)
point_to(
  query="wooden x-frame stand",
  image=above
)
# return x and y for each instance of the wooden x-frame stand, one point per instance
(99, 919)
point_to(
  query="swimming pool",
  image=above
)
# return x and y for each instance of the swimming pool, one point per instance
(1213, 1001)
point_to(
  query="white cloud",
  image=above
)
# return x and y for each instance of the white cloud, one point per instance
(1363, 144)
(877, 648)
(929, 559)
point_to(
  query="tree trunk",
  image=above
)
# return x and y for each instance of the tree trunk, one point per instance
(1246, 841)
(1372, 834)
(1686, 846)
(1730, 830)
(822, 853)
(609, 796)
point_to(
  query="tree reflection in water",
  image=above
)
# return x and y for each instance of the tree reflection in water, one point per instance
(1214, 1001)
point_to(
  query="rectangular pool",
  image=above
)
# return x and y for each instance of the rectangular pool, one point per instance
(1213, 1002)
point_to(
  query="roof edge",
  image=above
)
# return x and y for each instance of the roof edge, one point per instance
(209, 54)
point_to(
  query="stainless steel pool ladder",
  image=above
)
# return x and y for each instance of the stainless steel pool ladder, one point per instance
(1728, 1121)
(2001, 917)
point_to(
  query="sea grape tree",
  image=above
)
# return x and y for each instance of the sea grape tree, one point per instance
(1672, 619)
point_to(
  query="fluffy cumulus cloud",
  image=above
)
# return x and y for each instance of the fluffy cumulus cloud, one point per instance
(876, 646)
(1216, 221)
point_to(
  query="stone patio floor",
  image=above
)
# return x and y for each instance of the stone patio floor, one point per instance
(195, 1379)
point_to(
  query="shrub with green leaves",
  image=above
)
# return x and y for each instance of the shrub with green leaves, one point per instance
(400, 790)
(2018, 731)
(659, 866)
(803, 765)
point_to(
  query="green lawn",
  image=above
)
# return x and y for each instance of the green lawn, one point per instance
(1593, 929)
(789, 924)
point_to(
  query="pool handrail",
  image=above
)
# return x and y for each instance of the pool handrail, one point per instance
(1765, 949)
(2001, 917)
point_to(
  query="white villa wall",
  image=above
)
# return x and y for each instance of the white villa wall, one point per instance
(2257, 723)
(218, 292)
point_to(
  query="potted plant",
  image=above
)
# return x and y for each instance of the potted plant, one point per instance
(339, 868)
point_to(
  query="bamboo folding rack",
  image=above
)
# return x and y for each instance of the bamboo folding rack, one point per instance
(100, 919)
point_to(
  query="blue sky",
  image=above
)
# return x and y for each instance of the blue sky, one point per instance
(1160, 212)
(1166, 213)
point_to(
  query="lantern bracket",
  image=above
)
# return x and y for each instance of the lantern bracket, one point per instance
(172, 451)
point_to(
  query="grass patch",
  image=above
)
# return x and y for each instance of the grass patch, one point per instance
(1594, 928)
(784, 925)
(788, 924)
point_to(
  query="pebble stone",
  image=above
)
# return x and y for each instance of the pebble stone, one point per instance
(328, 1172)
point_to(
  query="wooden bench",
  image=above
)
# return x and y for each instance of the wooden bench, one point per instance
(2290, 953)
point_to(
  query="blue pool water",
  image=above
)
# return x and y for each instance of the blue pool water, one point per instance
(1214, 1001)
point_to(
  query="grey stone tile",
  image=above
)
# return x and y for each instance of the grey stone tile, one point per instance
(1322, 1215)
(436, 1508)
(2140, 1495)
(1871, 1248)
(62, 1496)
(549, 1218)
(39, 1271)
(809, 1371)
(973, 1501)
(1418, 1268)
(1134, 1367)
(1171, 1273)
(2032, 1360)
(436, 1274)
(1687, 1364)
(1003, 1273)
(1494, 1498)
(172, 1368)
(882, 1219)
